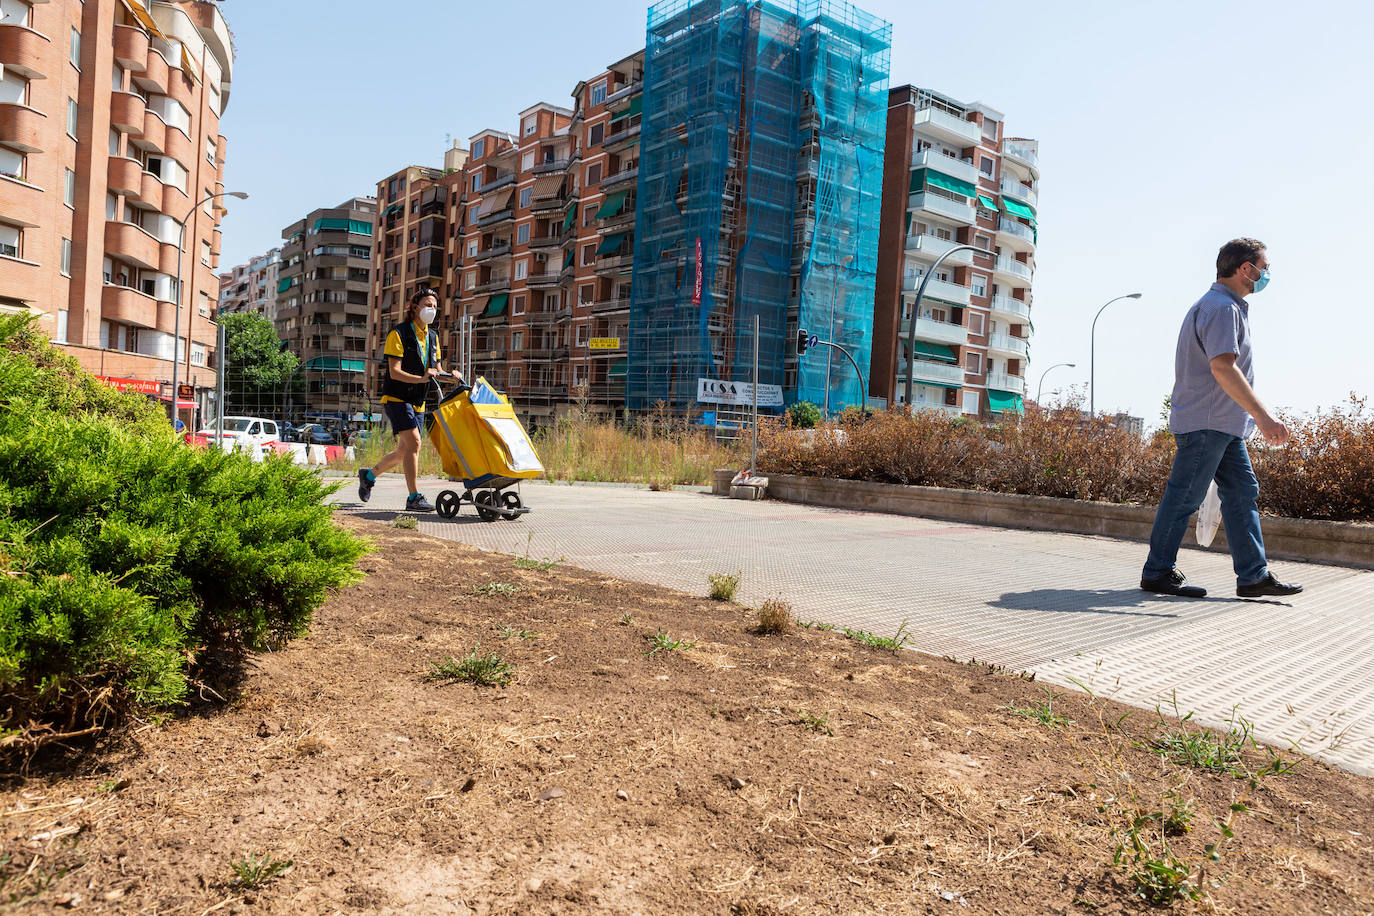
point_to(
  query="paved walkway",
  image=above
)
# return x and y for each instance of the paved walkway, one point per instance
(1062, 605)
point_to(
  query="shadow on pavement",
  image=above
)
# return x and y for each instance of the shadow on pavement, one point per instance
(1088, 601)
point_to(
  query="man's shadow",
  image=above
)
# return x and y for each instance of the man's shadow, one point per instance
(1112, 601)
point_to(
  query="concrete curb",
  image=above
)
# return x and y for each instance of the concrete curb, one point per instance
(1341, 543)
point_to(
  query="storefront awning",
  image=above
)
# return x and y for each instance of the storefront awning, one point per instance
(1003, 401)
(1017, 209)
(610, 243)
(927, 350)
(181, 405)
(987, 203)
(612, 205)
(495, 305)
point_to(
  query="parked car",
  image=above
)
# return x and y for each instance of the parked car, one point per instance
(240, 432)
(318, 435)
(290, 432)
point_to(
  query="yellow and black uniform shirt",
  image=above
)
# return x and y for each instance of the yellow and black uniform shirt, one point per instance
(394, 348)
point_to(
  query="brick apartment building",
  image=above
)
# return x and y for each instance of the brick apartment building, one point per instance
(323, 290)
(109, 137)
(251, 287)
(951, 177)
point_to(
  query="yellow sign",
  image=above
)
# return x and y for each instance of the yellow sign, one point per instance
(605, 343)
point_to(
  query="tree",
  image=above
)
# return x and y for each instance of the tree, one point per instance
(258, 367)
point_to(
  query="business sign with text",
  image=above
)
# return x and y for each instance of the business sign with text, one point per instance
(741, 394)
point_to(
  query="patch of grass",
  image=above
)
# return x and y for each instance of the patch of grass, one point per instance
(816, 723)
(893, 643)
(992, 668)
(489, 670)
(626, 619)
(516, 633)
(1041, 711)
(774, 616)
(543, 565)
(496, 588)
(254, 871)
(662, 642)
(815, 625)
(1177, 813)
(723, 585)
(408, 522)
(1217, 752)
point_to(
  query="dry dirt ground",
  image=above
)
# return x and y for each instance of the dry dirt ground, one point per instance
(750, 774)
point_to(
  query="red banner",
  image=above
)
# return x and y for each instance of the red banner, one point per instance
(696, 290)
(142, 386)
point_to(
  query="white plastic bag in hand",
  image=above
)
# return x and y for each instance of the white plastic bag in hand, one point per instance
(1208, 516)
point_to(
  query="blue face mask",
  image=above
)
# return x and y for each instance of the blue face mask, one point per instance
(1263, 280)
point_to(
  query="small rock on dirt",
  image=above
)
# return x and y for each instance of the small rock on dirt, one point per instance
(533, 885)
(468, 784)
(551, 793)
(267, 729)
(736, 782)
(622, 795)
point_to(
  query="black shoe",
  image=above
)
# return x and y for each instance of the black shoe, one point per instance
(364, 485)
(1171, 583)
(1268, 587)
(418, 503)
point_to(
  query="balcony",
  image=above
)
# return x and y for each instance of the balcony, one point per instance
(1004, 382)
(1023, 155)
(943, 206)
(128, 242)
(619, 178)
(494, 285)
(614, 304)
(614, 262)
(955, 168)
(179, 145)
(496, 219)
(932, 247)
(495, 251)
(1019, 236)
(1015, 270)
(150, 190)
(547, 204)
(547, 241)
(1017, 191)
(21, 127)
(551, 165)
(624, 220)
(1010, 309)
(153, 77)
(153, 137)
(925, 370)
(130, 47)
(939, 331)
(23, 50)
(500, 181)
(127, 305)
(623, 94)
(1007, 345)
(20, 201)
(943, 290)
(543, 280)
(620, 136)
(125, 177)
(941, 124)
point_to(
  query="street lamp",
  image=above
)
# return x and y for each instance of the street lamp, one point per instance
(829, 356)
(916, 310)
(1045, 373)
(1092, 353)
(176, 328)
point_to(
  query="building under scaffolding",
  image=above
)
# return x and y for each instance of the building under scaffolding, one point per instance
(758, 195)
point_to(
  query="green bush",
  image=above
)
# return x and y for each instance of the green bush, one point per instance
(127, 556)
(804, 415)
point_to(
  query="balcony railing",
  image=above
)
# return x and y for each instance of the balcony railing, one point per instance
(931, 371)
(550, 240)
(933, 246)
(500, 181)
(619, 177)
(548, 278)
(1023, 153)
(925, 200)
(1017, 190)
(1004, 382)
(493, 285)
(1020, 230)
(939, 331)
(1013, 268)
(624, 92)
(551, 165)
(933, 158)
(1008, 344)
(495, 251)
(938, 289)
(1009, 306)
(946, 125)
(621, 135)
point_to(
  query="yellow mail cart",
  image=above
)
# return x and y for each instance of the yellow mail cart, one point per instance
(483, 446)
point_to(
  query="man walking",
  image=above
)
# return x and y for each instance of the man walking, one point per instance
(1212, 409)
(412, 357)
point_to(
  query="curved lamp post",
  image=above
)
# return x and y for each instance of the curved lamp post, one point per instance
(176, 329)
(916, 310)
(1092, 353)
(1045, 373)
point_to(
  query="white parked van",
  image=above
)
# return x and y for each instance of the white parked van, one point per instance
(247, 433)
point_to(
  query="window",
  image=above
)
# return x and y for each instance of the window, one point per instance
(581, 337)
(522, 269)
(588, 254)
(518, 305)
(586, 295)
(598, 91)
(61, 335)
(980, 285)
(210, 150)
(982, 241)
(11, 163)
(69, 189)
(522, 234)
(114, 143)
(472, 248)
(985, 165)
(530, 126)
(593, 174)
(595, 134)
(973, 363)
(971, 402)
(517, 341)
(526, 195)
(470, 280)
(527, 161)
(589, 215)
(66, 257)
(472, 213)
(990, 128)
(477, 148)
(579, 374)
(204, 252)
(71, 118)
(975, 323)
(515, 377)
(9, 240)
(203, 308)
(75, 55)
(197, 354)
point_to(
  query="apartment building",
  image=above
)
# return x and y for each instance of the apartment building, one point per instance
(758, 197)
(953, 177)
(323, 288)
(251, 287)
(109, 145)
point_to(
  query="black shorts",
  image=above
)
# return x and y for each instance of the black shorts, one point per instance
(402, 416)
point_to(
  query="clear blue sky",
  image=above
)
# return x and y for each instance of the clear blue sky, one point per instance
(1164, 129)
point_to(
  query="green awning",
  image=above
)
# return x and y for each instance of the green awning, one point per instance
(953, 386)
(392, 209)
(568, 261)
(636, 106)
(619, 368)
(908, 222)
(320, 363)
(1017, 209)
(1000, 401)
(496, 305)
(987, 203)
(570, 218)
(941, 180)
(610, 243)
(345, 225)
(612, 205)
(935, 351)
(285, 284)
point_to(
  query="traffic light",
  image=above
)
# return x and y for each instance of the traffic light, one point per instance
(802, 340)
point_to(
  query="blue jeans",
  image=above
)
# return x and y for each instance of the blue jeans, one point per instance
(1202, 456)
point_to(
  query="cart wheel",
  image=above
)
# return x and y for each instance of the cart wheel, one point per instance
(511, 501)
(485, 501)
(447, 504)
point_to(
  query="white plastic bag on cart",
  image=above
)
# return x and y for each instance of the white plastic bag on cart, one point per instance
(1208, 516)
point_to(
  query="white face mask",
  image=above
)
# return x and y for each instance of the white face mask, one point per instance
(427, 314)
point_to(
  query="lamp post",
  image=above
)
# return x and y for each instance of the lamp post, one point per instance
(176, 328)
(1045, 373)
(916, 310)
(829, 356)
(1092, 353)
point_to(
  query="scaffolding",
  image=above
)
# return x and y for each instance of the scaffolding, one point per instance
(762, 149)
